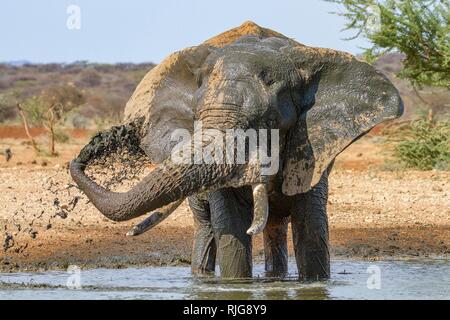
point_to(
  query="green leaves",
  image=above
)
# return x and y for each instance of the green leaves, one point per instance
(418, 28)
(426, 145)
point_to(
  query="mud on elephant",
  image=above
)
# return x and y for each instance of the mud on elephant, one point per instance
(318, 100)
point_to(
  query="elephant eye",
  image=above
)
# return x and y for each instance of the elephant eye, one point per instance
(266, 78)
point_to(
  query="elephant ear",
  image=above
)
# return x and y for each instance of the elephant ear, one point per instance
(164, 99)
(339, 98)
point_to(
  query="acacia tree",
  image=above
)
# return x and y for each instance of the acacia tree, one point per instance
(26, 127)
(420, 30)
(49, 108)
(417, 28)
(10, 101)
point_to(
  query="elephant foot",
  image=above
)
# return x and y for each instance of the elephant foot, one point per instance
(204, 250)
(204, 253)
(231, 215)
(310, 232)
(235, 257)
(275, 246)
(311, 252)
(315, 265)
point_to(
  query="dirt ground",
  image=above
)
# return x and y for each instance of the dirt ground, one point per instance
(46, 223)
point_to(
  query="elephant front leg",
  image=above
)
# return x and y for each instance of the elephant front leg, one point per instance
(231, 216)
(275, 245)
(310, 232)
(204, 249)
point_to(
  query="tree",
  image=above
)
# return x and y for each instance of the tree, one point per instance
(417, 28)
(26, 127)
(10, 101)
(49, 108)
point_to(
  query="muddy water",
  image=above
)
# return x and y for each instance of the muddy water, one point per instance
(419, 279)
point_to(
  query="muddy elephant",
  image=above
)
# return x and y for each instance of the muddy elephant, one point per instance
(317, 101)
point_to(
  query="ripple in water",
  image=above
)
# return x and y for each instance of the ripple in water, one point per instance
(351, 279)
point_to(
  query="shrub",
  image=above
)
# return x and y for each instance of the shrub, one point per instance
(425, 146)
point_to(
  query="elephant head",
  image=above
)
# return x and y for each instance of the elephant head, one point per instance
(320, 100)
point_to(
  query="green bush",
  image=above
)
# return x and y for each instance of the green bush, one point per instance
(425, 145)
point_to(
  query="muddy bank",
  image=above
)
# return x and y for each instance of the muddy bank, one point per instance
(47, 223)
(168, 245)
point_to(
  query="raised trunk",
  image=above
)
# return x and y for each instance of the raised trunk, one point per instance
(165, 184)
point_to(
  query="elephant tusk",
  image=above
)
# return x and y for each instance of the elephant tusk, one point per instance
(155, 218)
(261, 209)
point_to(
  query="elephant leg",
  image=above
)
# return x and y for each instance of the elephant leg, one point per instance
(275, 245)
(204, 249)
(310, 232)
(231, 216)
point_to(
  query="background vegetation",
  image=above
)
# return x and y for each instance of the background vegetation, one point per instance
(94, 93)
(80, 95)
(417, 28)
(411, 47)
(418, 32)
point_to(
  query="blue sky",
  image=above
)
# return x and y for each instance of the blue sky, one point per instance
(143, 31)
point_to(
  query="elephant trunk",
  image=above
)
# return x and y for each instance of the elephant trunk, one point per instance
(167, 183)
(260, 213)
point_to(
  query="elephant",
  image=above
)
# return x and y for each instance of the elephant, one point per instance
(317, 100)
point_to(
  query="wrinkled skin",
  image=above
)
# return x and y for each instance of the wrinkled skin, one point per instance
(221, 214)
(320, 100)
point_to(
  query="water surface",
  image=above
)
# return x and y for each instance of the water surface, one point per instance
(351, 279)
